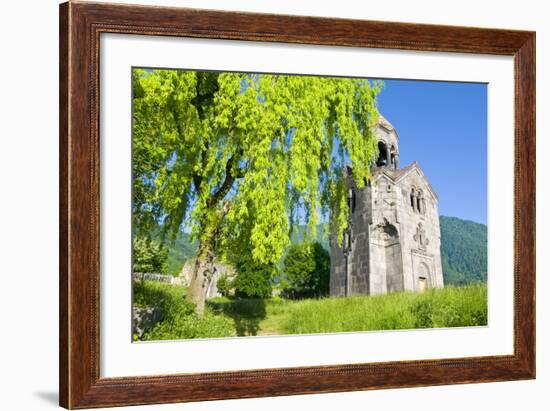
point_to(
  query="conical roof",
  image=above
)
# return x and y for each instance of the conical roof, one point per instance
(384, 122)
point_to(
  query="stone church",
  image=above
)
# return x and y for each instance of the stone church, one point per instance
(392, 242)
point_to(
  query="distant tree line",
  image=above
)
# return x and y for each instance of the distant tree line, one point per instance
(304, 270)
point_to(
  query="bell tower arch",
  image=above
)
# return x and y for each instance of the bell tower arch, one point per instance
(388, 145)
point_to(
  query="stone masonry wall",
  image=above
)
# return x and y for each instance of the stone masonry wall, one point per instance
(393, 246)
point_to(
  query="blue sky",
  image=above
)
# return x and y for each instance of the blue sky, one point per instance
(443, 126)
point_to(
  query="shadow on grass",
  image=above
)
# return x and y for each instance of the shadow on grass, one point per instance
(246, 314)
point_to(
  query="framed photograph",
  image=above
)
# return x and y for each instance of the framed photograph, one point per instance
(259, 205)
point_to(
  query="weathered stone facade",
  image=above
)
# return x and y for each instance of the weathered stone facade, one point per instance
(392, 242)
(220, 270)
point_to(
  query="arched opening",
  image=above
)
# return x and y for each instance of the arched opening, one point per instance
(383, 152)
(389, 267)
(413, 199)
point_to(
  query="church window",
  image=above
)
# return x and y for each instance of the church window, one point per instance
(413, 199)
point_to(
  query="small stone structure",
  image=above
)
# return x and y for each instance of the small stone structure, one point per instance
(392, 242)
(184, 277)
(220, 270)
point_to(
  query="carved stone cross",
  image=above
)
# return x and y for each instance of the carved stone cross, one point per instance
(420, 237)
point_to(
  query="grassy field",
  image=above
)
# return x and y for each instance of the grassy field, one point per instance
(447, 307)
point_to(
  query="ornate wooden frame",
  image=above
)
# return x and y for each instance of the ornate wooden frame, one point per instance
(80, 28)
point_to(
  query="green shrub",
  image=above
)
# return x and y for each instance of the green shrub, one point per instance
(149, 256)
(253, 280)
(224, 285)
(179, 319)
(190, 326)
(307, 270)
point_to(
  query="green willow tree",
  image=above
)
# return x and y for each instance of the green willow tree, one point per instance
(243, 157)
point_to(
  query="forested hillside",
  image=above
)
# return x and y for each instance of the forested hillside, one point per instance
(463, 251)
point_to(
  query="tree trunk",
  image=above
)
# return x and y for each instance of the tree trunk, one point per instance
(201, 279)
(205, 269)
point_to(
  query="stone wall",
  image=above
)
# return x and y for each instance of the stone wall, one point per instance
(184, 277)
(359, 254)
(161, 278)
(421, 237)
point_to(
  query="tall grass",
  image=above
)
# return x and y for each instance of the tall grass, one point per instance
(447, 307)
(225, 317)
